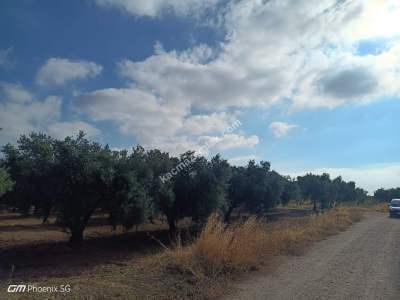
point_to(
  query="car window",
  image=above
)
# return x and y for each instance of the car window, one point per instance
(395, 203)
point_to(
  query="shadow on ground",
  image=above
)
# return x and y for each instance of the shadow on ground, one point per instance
(57, 258)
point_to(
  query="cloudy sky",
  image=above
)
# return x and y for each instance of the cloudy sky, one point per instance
(314, 84)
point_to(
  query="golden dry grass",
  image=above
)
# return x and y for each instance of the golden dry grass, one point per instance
(122, 267)
(381, 207)
(299, 205)
(223, 250)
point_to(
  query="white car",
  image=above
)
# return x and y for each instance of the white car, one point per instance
(394, 208)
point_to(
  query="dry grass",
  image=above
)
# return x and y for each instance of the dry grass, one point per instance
(299, 205)
(381, 207)
(116, 265)
(223, 250)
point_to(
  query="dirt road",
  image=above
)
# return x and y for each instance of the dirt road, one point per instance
(360, 263)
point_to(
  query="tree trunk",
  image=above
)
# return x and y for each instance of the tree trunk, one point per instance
(45, 217)
(228, 215)
(171, 224)
(76, 238)
(46, 213)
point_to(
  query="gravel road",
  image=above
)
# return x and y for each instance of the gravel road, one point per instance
(360, 263)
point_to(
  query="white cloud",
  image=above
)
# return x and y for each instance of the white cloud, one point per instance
(153, 8)
(202, 124)
(137, 113)
(15, 92)
(345, 77)
(64, 129)
(281, 129)
(21, 113)
(212, 85)
(275, 51)
(156, 122)
(59, 71)
(18, 118)
(230, 141)
(377, 19)
(369, 177)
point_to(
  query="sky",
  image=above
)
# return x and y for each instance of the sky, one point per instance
(314, 85)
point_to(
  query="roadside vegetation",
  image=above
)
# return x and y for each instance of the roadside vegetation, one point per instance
(381, 207)
(244, 246)
(224, 251)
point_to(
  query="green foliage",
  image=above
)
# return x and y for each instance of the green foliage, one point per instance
(129, 203)
(385, 195)
(291, 191)
(73, 177)
(254, 188)
(30, 165)
(199, 188)
(84, 172)
(6, 183)
(325, 192)
(208, 187)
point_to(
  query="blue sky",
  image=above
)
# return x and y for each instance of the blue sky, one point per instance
(315, 87)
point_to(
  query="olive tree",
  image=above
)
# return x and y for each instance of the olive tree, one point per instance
(31, 165)
(254, 188)
(84, 171)
(128, 201)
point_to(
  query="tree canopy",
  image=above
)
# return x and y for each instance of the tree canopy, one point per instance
(385, 195)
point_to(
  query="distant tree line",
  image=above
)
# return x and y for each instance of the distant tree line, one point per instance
(75, 177)
(326, 192)
(382, 195)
